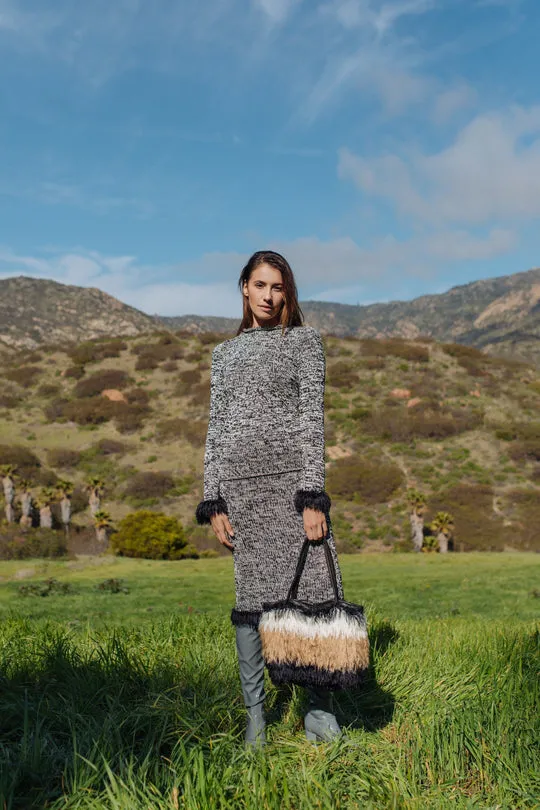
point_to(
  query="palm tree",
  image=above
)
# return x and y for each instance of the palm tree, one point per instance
(65, 491)
(417, 504)
(47, 497)
(102, 523)
(8, 472)
(443, 525)
(95, 487)
(26, 504)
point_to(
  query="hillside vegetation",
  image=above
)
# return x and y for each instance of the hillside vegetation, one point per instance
(460, 427)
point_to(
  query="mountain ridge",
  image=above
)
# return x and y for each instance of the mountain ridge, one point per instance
(500, 315)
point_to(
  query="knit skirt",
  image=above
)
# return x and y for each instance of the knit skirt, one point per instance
(268, 536)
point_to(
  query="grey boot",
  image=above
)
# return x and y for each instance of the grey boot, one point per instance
(251, 664)
(320, 722)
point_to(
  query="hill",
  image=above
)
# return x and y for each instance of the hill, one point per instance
(449, 420)
(499, 315)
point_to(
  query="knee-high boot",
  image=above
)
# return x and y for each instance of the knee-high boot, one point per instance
(251, 665)
(320, 722)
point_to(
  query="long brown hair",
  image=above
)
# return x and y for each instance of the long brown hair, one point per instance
(291, 314)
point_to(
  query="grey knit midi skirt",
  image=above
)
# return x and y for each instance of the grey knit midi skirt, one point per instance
(268, 536)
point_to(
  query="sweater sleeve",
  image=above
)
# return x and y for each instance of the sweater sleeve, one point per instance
(311, 383)
(213, 503)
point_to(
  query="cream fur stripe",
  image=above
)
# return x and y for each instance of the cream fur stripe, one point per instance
(343, 626)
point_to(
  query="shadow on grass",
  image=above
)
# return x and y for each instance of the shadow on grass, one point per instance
(368, 706)
(63, 708)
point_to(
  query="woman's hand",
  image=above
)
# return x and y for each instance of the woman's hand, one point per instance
(220, 525)
(315, 525)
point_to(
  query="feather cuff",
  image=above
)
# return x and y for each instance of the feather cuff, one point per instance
(312, 499)
(205, 509)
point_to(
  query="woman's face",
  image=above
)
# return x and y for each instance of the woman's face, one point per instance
(265, 293)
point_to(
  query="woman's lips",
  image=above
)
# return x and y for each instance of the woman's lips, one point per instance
(268, 309)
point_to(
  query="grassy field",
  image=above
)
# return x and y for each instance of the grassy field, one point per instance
(132, 700)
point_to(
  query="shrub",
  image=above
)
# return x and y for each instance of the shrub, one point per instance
(372, 363)
(63, 457)
(406, 424)
(190, 376)
(74, 372)
(525, 450)
(342, 375)
(109, 447)
(54, 411)
(149, 486)
(461, 350)
(130, 418)
(191, 430)
(207, 338)
(18, 545)
(364, 479)
(9, 400)
(477, 527)
(153, 536)
(137, 396)
(26, 463)
(146, 363)
(170, 365)
(92, 411)
(396, 347)
(48, 389)
(98, 382)
(25, 376)
(200, 394)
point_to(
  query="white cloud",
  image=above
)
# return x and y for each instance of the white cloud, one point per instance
(277, 10)
(208, 285)
(490, 173)
(451, 101)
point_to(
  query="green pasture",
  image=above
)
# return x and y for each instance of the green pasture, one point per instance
(132, 700)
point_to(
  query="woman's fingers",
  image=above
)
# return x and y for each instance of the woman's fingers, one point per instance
(220, 527)
(315, 525)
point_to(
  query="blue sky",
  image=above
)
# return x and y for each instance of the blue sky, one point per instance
(389, 148)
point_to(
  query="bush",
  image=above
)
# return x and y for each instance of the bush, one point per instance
(54, 411)
(130, 418)
(146, 363)
(74, 372)
(395, 347)
(170, 365)
(18, 545)
(137, 396)
(146, 487)
(342, 375)
(406, 424)
(91, 411)
(109, 447)
(9, 400)
(477, 527)
(191, 430)
(364, 479)
(98, 382)
(153, 536)
(200, 394)
(525, 450)
(48, 389)
(26, 463)
(25, 376)
(63, 457)
(461, 350)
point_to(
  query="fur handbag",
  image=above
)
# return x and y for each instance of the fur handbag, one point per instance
(322, 644)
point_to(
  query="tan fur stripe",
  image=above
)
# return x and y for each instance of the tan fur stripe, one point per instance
(328, 653)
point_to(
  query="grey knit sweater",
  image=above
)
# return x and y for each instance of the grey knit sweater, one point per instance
(266, 414)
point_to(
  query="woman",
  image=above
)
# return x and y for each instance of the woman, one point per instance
(264, 473)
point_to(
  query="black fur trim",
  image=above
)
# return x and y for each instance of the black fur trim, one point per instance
(315, 676)
(205, 509)
(251, 617)
(312, 498)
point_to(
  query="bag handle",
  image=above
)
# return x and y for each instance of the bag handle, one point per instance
(293, 590)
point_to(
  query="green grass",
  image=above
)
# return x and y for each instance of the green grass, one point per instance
(106, 704)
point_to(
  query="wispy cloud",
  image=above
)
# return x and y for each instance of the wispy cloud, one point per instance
(491, 172)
